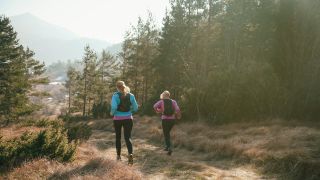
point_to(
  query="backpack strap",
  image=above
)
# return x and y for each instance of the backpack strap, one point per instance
(117, 93)
(166, 108)
(125, 102)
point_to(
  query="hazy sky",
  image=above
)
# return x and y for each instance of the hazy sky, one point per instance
(101, 19)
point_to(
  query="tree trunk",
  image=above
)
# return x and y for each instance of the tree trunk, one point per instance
(85, 93)
(69, 105)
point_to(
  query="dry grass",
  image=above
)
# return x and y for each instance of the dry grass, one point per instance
(98, 168)
(101, 124)
(287, 149)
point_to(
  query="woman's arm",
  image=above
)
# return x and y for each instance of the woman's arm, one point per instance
(114, 104)
(134, 103)
(157, 107)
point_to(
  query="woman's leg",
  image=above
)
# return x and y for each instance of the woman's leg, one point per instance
(167, 126)
(166, 133)
(127, 126)
(117, 127)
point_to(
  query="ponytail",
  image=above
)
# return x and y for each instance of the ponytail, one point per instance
(121, 86)
(126, 90)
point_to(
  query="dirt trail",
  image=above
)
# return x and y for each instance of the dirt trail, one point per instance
(153, 162)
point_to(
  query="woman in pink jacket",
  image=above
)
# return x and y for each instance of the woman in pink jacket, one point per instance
(170, 112)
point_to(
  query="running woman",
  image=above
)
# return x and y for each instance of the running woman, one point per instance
(170, 112)
(123, 104)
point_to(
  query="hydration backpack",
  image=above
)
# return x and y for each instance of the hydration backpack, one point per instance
(168, 107)
(125, 103)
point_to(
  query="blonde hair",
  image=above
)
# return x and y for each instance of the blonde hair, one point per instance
(165, 95)
(121, 86)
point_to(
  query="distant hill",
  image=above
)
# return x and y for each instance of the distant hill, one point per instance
(51, 42)
(114, 48)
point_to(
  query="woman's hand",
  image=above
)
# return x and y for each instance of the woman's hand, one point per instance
(178, 115)
(157, 110)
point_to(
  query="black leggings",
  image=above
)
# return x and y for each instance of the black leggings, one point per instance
(167, 125)
(127, 127)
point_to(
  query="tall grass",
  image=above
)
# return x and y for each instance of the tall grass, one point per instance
(288, 150)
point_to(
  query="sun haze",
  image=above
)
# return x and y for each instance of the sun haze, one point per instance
(100, 19)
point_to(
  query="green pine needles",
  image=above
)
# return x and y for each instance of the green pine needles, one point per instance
(50, 143)
(19, 72)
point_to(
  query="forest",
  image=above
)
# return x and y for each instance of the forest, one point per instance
(223, 60)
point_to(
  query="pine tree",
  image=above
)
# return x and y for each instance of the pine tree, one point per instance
(89, 72)
(139, 50)
(19, 72)
(174, 47)
(107, 68)
(71, 85)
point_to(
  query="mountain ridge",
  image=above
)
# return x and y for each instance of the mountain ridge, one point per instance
(52, 43)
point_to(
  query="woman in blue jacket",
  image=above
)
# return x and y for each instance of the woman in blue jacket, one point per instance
(123, 104)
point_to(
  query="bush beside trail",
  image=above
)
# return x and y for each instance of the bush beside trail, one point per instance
(50, 143)
(56, 140)
(81, 132)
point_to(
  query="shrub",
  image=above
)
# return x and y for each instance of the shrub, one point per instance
(79, 132)
(50, 143)
(55, 145)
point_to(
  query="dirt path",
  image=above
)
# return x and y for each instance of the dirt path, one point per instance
(153, 162)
